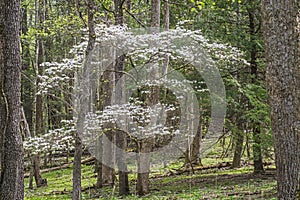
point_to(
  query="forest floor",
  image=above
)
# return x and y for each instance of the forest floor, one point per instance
(213, 180)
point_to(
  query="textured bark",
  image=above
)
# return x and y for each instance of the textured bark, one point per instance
(257, 154)
(166, 15)
(238, 150)
(12, 174)
(281, 21)
(3, 114)
(155, 13)
(238, 137)
(257, 151)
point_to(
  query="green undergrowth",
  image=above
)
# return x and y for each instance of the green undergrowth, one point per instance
(211, 183)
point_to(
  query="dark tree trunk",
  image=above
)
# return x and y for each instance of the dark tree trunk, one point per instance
(257, 152)
(121, 137)
(76, 193)
(12, 174)
(281, 28)
(238, 147)
(3, 111)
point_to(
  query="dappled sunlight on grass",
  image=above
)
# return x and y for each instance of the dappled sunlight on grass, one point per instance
(202, 184)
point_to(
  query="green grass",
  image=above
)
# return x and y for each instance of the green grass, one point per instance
(208, 184)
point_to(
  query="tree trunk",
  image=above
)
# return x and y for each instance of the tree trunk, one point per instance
(39, 122)
(282, 35)
(108, 151)
(121, 137)
(98, 163)
(108, 160)
(108, 154)
(155, 13)
(192, 157)
(27, 86)
(84, 84)
(12, 174)
(145, 145)
(40, 58)
(257, 152)
(240, 126)
(143, 161)
(238, 148)
(76, 193)
(3, 111)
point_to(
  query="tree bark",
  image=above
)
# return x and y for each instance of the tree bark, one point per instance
(281, 26)
(155, 13)
(143, 161)
(257, 151)
(27, 86)
(3, 111)
(12, 174)
(192, 157)
(121, 137)
(39, 121)
(238, 145)
(83, 105)
(108, 151)
(145, 145)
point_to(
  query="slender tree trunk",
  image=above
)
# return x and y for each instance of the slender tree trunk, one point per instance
(40, 58)
(12, 174)
(108, 151)
(3, 111)
(192, 157)
(257, 152)
(83, 105)
(281, 26)
(39, 122)
(27, 86)
(98, 163)
(155, 13)
(145, 145)
(76, 193)
(121, 137)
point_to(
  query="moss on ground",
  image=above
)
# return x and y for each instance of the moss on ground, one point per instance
(203, 184)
